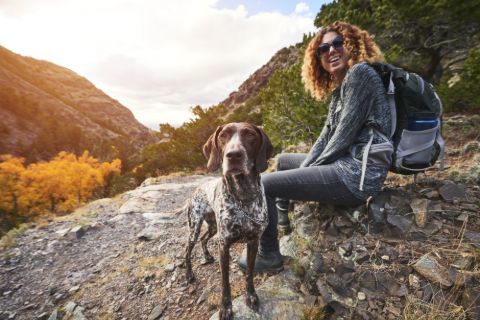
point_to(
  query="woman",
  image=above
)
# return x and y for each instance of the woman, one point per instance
(344, 166)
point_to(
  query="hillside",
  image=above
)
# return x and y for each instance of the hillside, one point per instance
(123, 257)
(45, 108)
(283, 58)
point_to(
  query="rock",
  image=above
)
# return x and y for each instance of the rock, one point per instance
(70, 306)
(169, 267)
(42, 316)
(361, 296)
(429, 268)
(394, 310)
(337, 302)
(278, 297)
(62, 232)
(420, 211)
(461, 277)
(451, 191)
(310, 300)
(149, 233)
(471, 146)
(148, 197)
(318, 263)
(401, 223)
(362, 256)
(398, 290)
(78, 315)
(307, 227)
(288, 247)
(432, 194)
(157, 312)
(376, 213)
(202, 297)
(76, 232)
(73, 289)
(142, 200)
(398, 204)
(159, 217)
(54, 315)
(463, 262)
(433, 227)
(462, 217)
(27, 307)
(414, 281)
(469, 207)
(473, 238)
(117, 218)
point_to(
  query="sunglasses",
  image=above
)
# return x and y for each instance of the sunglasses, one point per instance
(324, 48)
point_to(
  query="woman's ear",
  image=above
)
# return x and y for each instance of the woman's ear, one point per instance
(211, 151)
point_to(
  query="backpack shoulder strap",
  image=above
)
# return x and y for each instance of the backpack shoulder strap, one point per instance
(393, 107)
(387, 73)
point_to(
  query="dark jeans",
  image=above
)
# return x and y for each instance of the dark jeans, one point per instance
(319, 183)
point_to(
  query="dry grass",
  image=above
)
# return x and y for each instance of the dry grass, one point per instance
(151, 265)
(418, 310)
(215, 298)
(315, 313)
(8, 240)
(445, 308)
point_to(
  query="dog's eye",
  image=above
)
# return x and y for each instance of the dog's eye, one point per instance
(249, 134)
(223, 135)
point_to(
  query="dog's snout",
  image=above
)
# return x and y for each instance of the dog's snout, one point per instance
(234, 155)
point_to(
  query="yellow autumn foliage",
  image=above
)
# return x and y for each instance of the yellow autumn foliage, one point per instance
(57, 186)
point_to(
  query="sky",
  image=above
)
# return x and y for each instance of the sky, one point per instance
(157, 58)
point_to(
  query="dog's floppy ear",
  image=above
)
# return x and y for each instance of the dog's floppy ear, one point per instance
(211, 150)
(265, 152)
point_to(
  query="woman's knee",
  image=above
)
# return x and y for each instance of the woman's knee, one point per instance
(267, 181)
(288, 161)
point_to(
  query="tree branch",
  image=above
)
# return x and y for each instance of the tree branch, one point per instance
(438, 44)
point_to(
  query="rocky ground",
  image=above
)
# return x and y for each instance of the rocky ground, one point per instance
(411, 253)
(115, 259)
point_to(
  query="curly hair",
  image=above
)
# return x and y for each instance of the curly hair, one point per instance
(357, 41)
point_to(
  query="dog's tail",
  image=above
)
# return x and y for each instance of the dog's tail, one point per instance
(186, 208)
(178, 212)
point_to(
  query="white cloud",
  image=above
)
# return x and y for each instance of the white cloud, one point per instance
(158, 58)
(301, 7)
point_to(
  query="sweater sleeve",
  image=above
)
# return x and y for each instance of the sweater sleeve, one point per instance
(318, 147)
(358, 90)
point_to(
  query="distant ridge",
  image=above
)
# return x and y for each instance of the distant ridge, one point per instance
(284, 58)
(46, 108)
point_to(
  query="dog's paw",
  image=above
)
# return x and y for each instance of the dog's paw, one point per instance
(207, 260)
(252, 301)
(190, 277)
(225, 313)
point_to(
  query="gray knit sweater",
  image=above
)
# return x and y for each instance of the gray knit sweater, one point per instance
(357, 104)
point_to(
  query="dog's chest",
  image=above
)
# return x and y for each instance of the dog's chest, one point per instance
(237, 223)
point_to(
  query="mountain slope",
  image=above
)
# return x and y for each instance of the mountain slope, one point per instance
(45, 108)
(284, 58)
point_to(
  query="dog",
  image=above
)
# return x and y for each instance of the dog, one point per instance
(233, 204)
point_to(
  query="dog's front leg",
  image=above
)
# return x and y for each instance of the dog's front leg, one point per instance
(251, 297)
(226, 312)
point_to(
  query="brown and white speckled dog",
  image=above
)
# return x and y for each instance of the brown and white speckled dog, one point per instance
(234, 204)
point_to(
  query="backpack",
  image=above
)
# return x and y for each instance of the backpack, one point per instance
(416, 120)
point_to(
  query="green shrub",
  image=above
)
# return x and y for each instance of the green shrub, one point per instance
(461, 92)
(471, 175)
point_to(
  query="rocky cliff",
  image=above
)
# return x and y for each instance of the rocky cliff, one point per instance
(45, 108)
